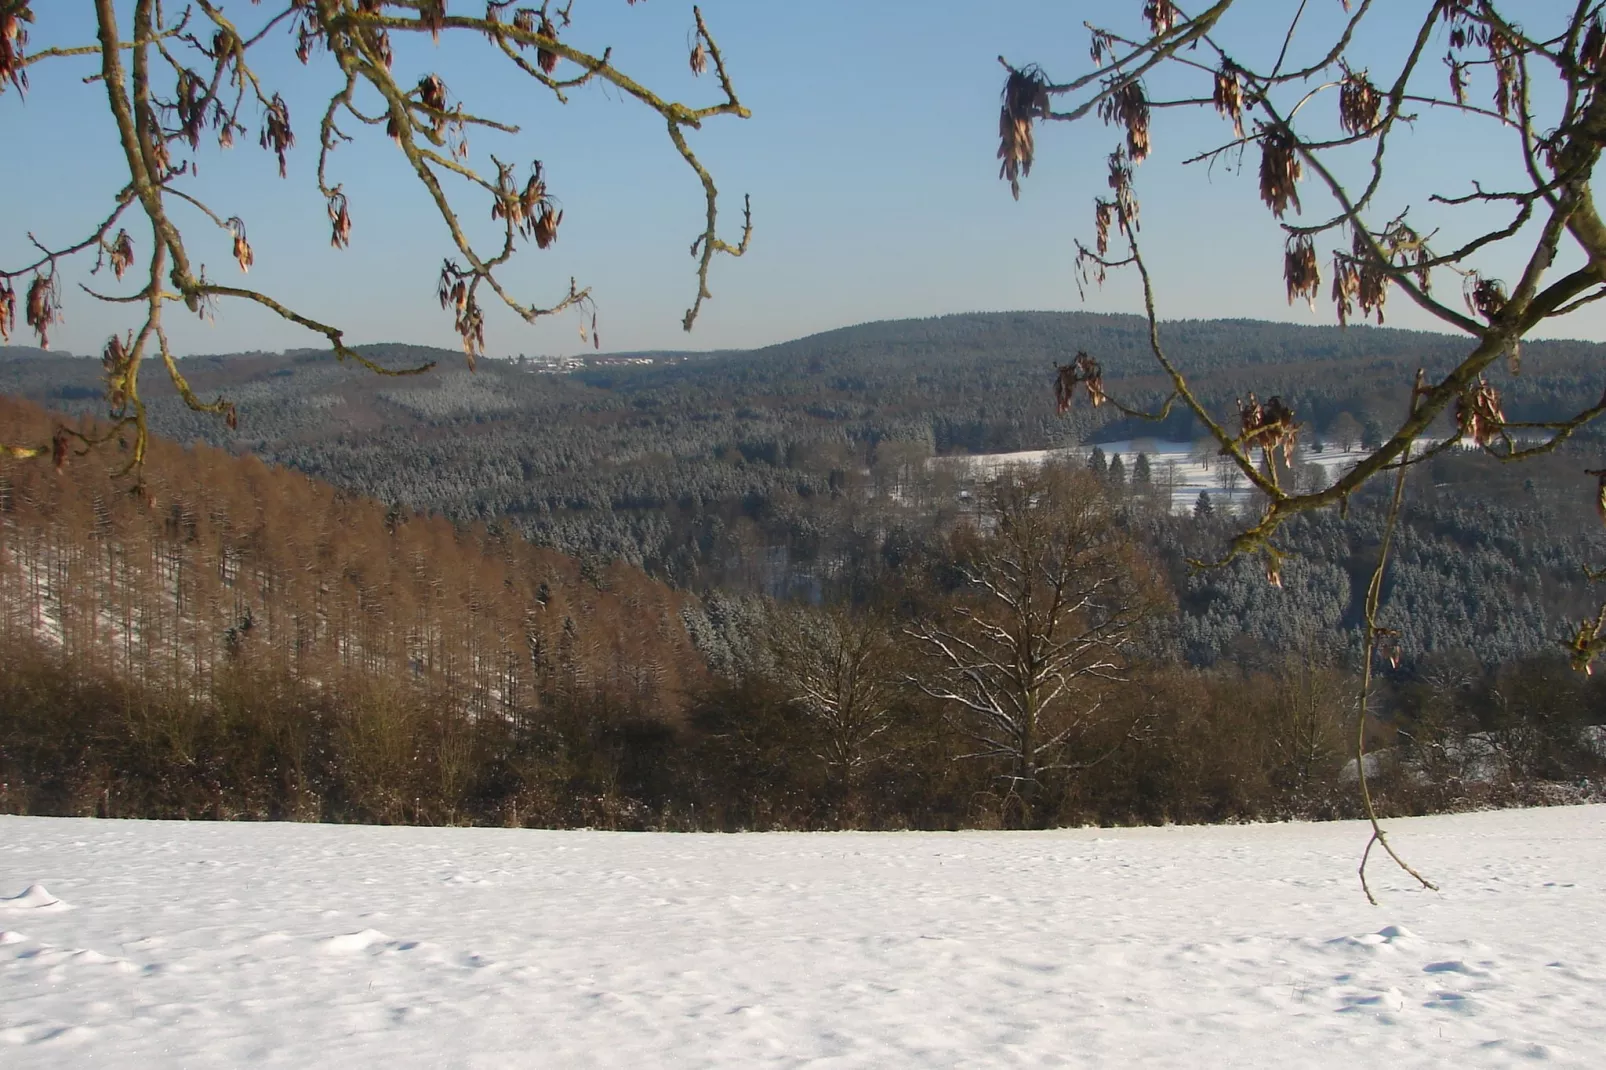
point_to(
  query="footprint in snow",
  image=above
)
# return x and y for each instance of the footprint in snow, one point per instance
(1454, 966)
(366, 940)
(33, 898)
(1384, 939)
(358, 941)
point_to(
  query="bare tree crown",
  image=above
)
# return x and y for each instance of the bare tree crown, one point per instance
(1053, 594)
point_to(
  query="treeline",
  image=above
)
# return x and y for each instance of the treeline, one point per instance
(240, 642)
(150, 629)
(1490, 558)
(1178, 745)
(730, 470)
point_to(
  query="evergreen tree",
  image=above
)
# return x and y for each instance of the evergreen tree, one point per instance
(1202, 509)
(1117, 472)
(1141, 476)
(1098, 463)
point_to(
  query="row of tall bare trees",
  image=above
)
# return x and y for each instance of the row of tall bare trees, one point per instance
(220, 570)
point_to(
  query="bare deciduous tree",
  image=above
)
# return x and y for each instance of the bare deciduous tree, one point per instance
(1311, 705)
(1053, 590)
(842, 668)
(175, 76)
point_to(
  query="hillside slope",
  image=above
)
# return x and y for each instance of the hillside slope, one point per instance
(785, 469)
(228, 580)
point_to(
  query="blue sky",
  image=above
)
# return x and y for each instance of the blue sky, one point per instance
(869, 158)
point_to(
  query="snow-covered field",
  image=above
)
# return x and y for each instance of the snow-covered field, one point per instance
(1179, 466)
(207, 945)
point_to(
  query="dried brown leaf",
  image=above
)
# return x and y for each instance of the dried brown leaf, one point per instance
(1359, 103)
(1025, 99)
(1300, 270)
(1129, 106)
(1229, 97)
(1280, 171)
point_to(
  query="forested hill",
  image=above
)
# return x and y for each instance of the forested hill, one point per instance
(242, 641)
(1016, 352)
(974, 382)
(325, 655)
(804, 462)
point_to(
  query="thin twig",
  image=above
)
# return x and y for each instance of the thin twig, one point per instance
(1374, 595)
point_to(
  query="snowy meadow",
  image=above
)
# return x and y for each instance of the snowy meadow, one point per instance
(1180, 470)
(147, 944)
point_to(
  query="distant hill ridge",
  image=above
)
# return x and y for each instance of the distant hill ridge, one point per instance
(637, 461)
(969, 329)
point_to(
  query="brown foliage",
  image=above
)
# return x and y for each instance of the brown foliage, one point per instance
(8, 309)
(1592, 50)
(43, 306)
(242, 248)
(1162, 15)
(1228, 96)
(1300, 272)
(1359, 281)
(121, 253)
(1478, 414)
(339, 219)
(277, 135)
(232, 567)
(1025, 99)
(1129, 106)
(547, 58)
(1484, 296)
(1358, 103)
(1270, 426)
(1280, 171)
(1085, 372)
(13, 45)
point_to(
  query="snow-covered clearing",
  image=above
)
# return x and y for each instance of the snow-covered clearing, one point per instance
(209, 945)
(1179, 467)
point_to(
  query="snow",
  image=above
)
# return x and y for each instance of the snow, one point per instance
(143, 944)
(1173, 464)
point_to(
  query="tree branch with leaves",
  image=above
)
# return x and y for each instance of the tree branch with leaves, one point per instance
(1318, 135)
(173, 81)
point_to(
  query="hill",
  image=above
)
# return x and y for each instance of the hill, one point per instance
(241, 640)
(237, 640)
(802, 466)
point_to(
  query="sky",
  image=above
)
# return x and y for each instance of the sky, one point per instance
(869, 157)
